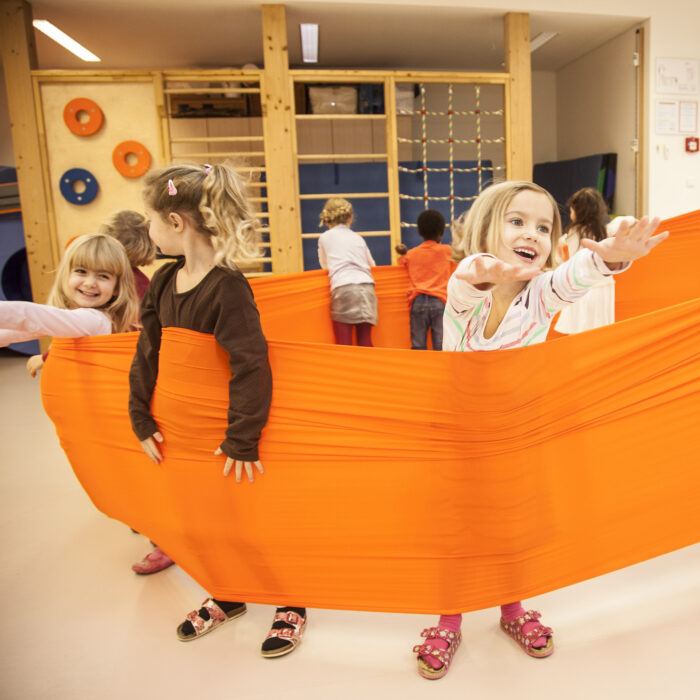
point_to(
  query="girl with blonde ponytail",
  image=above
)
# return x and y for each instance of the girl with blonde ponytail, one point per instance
(202, 215)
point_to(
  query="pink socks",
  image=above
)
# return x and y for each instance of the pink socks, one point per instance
(448, 622)
(453, 623)
(511, 611)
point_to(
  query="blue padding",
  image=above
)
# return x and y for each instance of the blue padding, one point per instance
(14, 272)
(373, 214)
(564, 177)
(78, 175)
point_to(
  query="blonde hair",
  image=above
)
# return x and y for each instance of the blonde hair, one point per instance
(480, 230)
(336, 211)
(214, 197)
(98, 251)
(130, 228)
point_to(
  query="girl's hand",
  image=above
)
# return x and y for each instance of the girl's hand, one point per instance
(239, 465)
(485, 272)
(151, 448)
(34, 364)
(629, 243)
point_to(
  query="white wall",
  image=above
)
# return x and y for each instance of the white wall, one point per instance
(596, 111)
(544, 117)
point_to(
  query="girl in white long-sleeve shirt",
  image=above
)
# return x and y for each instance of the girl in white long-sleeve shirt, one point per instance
(499, 298)
(93, 294)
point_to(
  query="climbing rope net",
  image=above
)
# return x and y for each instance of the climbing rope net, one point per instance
(478, 141)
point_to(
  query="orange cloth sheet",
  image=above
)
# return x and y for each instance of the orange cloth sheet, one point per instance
(406, 481)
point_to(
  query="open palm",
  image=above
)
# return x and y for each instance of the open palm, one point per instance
(629, 243)
(485, 269)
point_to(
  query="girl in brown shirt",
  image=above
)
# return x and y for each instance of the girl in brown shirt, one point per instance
(202, 214)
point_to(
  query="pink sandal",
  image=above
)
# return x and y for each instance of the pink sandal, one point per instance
(216, 617)
(445, 655)
(514, 629)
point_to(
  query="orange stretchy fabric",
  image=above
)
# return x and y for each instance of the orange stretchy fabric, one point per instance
(408, 481)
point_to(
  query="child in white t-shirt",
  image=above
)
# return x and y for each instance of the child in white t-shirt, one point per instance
(346, 256)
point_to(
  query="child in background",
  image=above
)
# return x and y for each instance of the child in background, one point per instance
(589, 216)
(131, 229)
(429, 267)
(498, 298)
(93, 294)
(202, 213)
(346, 256)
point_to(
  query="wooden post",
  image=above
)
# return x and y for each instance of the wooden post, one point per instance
(279, 129)
(519, 115)
(18, 59)
(392, 149)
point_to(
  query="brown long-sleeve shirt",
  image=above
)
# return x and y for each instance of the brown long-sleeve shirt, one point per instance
(222, 304)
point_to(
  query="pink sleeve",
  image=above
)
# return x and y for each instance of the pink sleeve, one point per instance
(24, 320)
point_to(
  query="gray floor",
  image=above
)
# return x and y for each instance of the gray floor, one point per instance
(79, 624)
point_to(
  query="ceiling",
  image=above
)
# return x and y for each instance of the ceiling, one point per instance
(162, 34)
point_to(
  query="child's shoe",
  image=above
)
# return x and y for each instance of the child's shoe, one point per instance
(536, 630)
(287, 629)
(212, 614)
(452, 639)
(154, 561)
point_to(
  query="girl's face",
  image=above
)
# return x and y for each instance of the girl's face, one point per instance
(163, 234)
(526, 238)
(90, 289)
(572, 215)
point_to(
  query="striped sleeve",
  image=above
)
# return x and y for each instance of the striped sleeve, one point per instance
(571, 280)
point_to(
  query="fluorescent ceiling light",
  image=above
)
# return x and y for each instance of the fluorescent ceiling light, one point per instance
(541, 39)
(64, 40)
(309, 43)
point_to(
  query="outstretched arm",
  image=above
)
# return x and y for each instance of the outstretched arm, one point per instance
(486, 271)
(25, 320)
(631, 242)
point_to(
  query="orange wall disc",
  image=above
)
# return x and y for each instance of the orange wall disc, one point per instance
(134, 148)
(82, 104)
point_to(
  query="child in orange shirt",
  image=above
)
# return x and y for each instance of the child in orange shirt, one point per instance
(429, 267)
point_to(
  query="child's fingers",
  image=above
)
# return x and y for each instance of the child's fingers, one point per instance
(259, 465)
(658, 238)
(151, 450)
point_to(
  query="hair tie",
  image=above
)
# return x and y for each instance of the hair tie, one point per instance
(172, 190)
(207, 168)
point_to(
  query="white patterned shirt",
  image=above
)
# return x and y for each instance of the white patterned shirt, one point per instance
(531, 312)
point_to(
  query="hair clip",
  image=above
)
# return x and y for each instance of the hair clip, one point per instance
(172, 190)
(207, 168)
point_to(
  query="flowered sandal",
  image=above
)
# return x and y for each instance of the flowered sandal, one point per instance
(514, 629)
(209, 616)
(445, 655)
(291, 634)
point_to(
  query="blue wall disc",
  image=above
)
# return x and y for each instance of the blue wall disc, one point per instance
(78, 175)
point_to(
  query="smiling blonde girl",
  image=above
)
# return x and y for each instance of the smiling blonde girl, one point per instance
(93, 294)
(501, 297)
